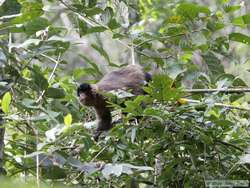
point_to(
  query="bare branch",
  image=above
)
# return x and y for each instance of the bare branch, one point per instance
(223, 90)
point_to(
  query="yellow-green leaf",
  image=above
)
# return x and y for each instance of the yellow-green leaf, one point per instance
(68, 120)
(6, 102)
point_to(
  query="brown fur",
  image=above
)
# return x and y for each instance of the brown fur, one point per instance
(131, 78)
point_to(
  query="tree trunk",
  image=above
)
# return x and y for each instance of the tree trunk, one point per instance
(2, 131)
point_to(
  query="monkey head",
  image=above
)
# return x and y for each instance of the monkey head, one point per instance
(86, 94)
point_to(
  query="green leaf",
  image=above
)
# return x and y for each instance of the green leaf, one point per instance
(35, 25)
(92, 3)
(6, 100)
(191, 10)
(92, 11)
(40, 81)
(239, 37)
(113, 24)
(231, 8)
(30, 10)
(29, 103)
(242, 20)
(83, 28)
(9, 7)
(160, 88)
(53, 172)
(214, 64)
(215, 26)
(97, 29)
(92, 64)
(59, 45)
(68, 120)
(55, 93)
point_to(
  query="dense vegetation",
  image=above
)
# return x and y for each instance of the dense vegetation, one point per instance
(48, 47)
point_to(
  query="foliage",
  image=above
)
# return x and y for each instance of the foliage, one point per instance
(171, 145)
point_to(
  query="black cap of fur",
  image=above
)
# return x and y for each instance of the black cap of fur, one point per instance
(83, 88)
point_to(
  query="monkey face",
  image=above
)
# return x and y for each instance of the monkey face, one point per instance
(85, 94)
(87, 98)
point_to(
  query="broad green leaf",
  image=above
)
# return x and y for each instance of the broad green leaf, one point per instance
(68, 120)
(239, 37)
(83, 27)
(35, 25)
(214, 64)
(8, 7)
(6, 100)
(39, 80)
(191, 10)
(231, 8)
(215, 26)
(79, 73)
(161, 88)
(113, 24)
(242, 20)
(55, 93)
(30, 10)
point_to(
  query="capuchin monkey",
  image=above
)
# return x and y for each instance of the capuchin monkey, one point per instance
(131, 78)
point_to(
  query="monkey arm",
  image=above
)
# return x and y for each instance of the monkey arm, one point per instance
(104, 118)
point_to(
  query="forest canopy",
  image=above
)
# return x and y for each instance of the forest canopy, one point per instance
(194, 121)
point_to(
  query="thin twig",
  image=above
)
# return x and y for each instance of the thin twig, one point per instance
(93, 23)
(229, 144)
(10, 43)
(220, 105)
(223, 90)
(37, 160)
(99, 153)
(132, 54)
(9, 16)
(164, 37)
(52, 73)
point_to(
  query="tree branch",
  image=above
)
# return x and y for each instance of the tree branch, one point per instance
(223, 90)
(220, 105)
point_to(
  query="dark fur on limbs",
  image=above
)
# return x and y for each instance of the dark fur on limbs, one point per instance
(131, 78)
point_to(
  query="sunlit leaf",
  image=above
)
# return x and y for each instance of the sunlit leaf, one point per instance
(239, 37)
(242, 20)
(6, 100)
(30, 10)
(68, 120)
(232, 8)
